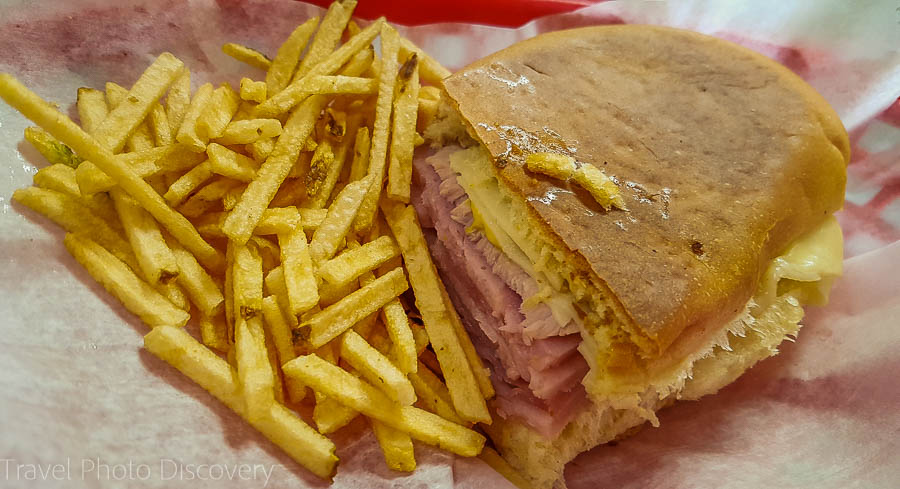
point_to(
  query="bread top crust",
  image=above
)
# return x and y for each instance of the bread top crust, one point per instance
(723, 157)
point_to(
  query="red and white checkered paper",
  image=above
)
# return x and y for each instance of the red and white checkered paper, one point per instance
(77, 389)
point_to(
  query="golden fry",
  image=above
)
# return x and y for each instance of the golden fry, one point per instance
(390, 42)
(396, 446)
(350, 264)
(73, 216)
(253, 91)
(178, 99)
(250, 130)
(188, 133)
(223, 104)
(397, 325)
(340, 316)
(188, 183)
(302, 443)
(156, 260)
(335, 382)
(92, 108)
(282, 68)
(431, 71)
(247, 55)
(461, 380)
(604, 190)
(246, 214)
(203, 291)
(231, 164)
(50, 148)
(337, 222)
(293, 94)
(213, 332)
(58, 177)
(303, 292)
(116, 277)
(327, 37)
(406, 106)
(124, 119)
(376, 368)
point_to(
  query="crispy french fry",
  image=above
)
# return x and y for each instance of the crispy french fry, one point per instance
(396, 446)
(406, 106)
(556, 165)
(175, 159)
(421, 338)
(203, 291)
(247, 213)
(188, 183)
(247, 281)
(328, 414)
(253, 91)
(58, 177)
(146, 163)
(340, 316)
(208, 197)
(282, 68)
(361, 148)
(275, 285)
(162, 130)
(350, 264)
(337, 222)
(124, 119)
(461, 380)
(601, 187)
(432, 394)
(231, 164)
(213, 332)
(376, 368)
(247, 55)
(322, 159)
(62, 128)
(188, 133)
(294, 93)
(311, 219)
(156, 260)
(381, 132)
(482, 374)
(254, 371)
(223, 104)
(333, 171)
(275, 367)
(260, 149)
(431, 71)
(136, 295)
(335, 382)
(228, 291)
(73, 216)
(327, 37)
(92, 108)
(51, 149)
(249, 130)
(177, 100)
(279, 329)
(306, 446)
(268, 251)
(404, 344)
(303, 293)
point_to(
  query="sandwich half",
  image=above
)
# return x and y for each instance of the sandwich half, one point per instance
(592, 318)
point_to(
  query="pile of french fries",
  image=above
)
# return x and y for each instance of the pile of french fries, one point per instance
(276, 216)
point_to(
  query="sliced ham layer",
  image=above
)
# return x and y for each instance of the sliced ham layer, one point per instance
(536, 370)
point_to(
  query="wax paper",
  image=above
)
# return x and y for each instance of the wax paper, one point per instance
(82, 405)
